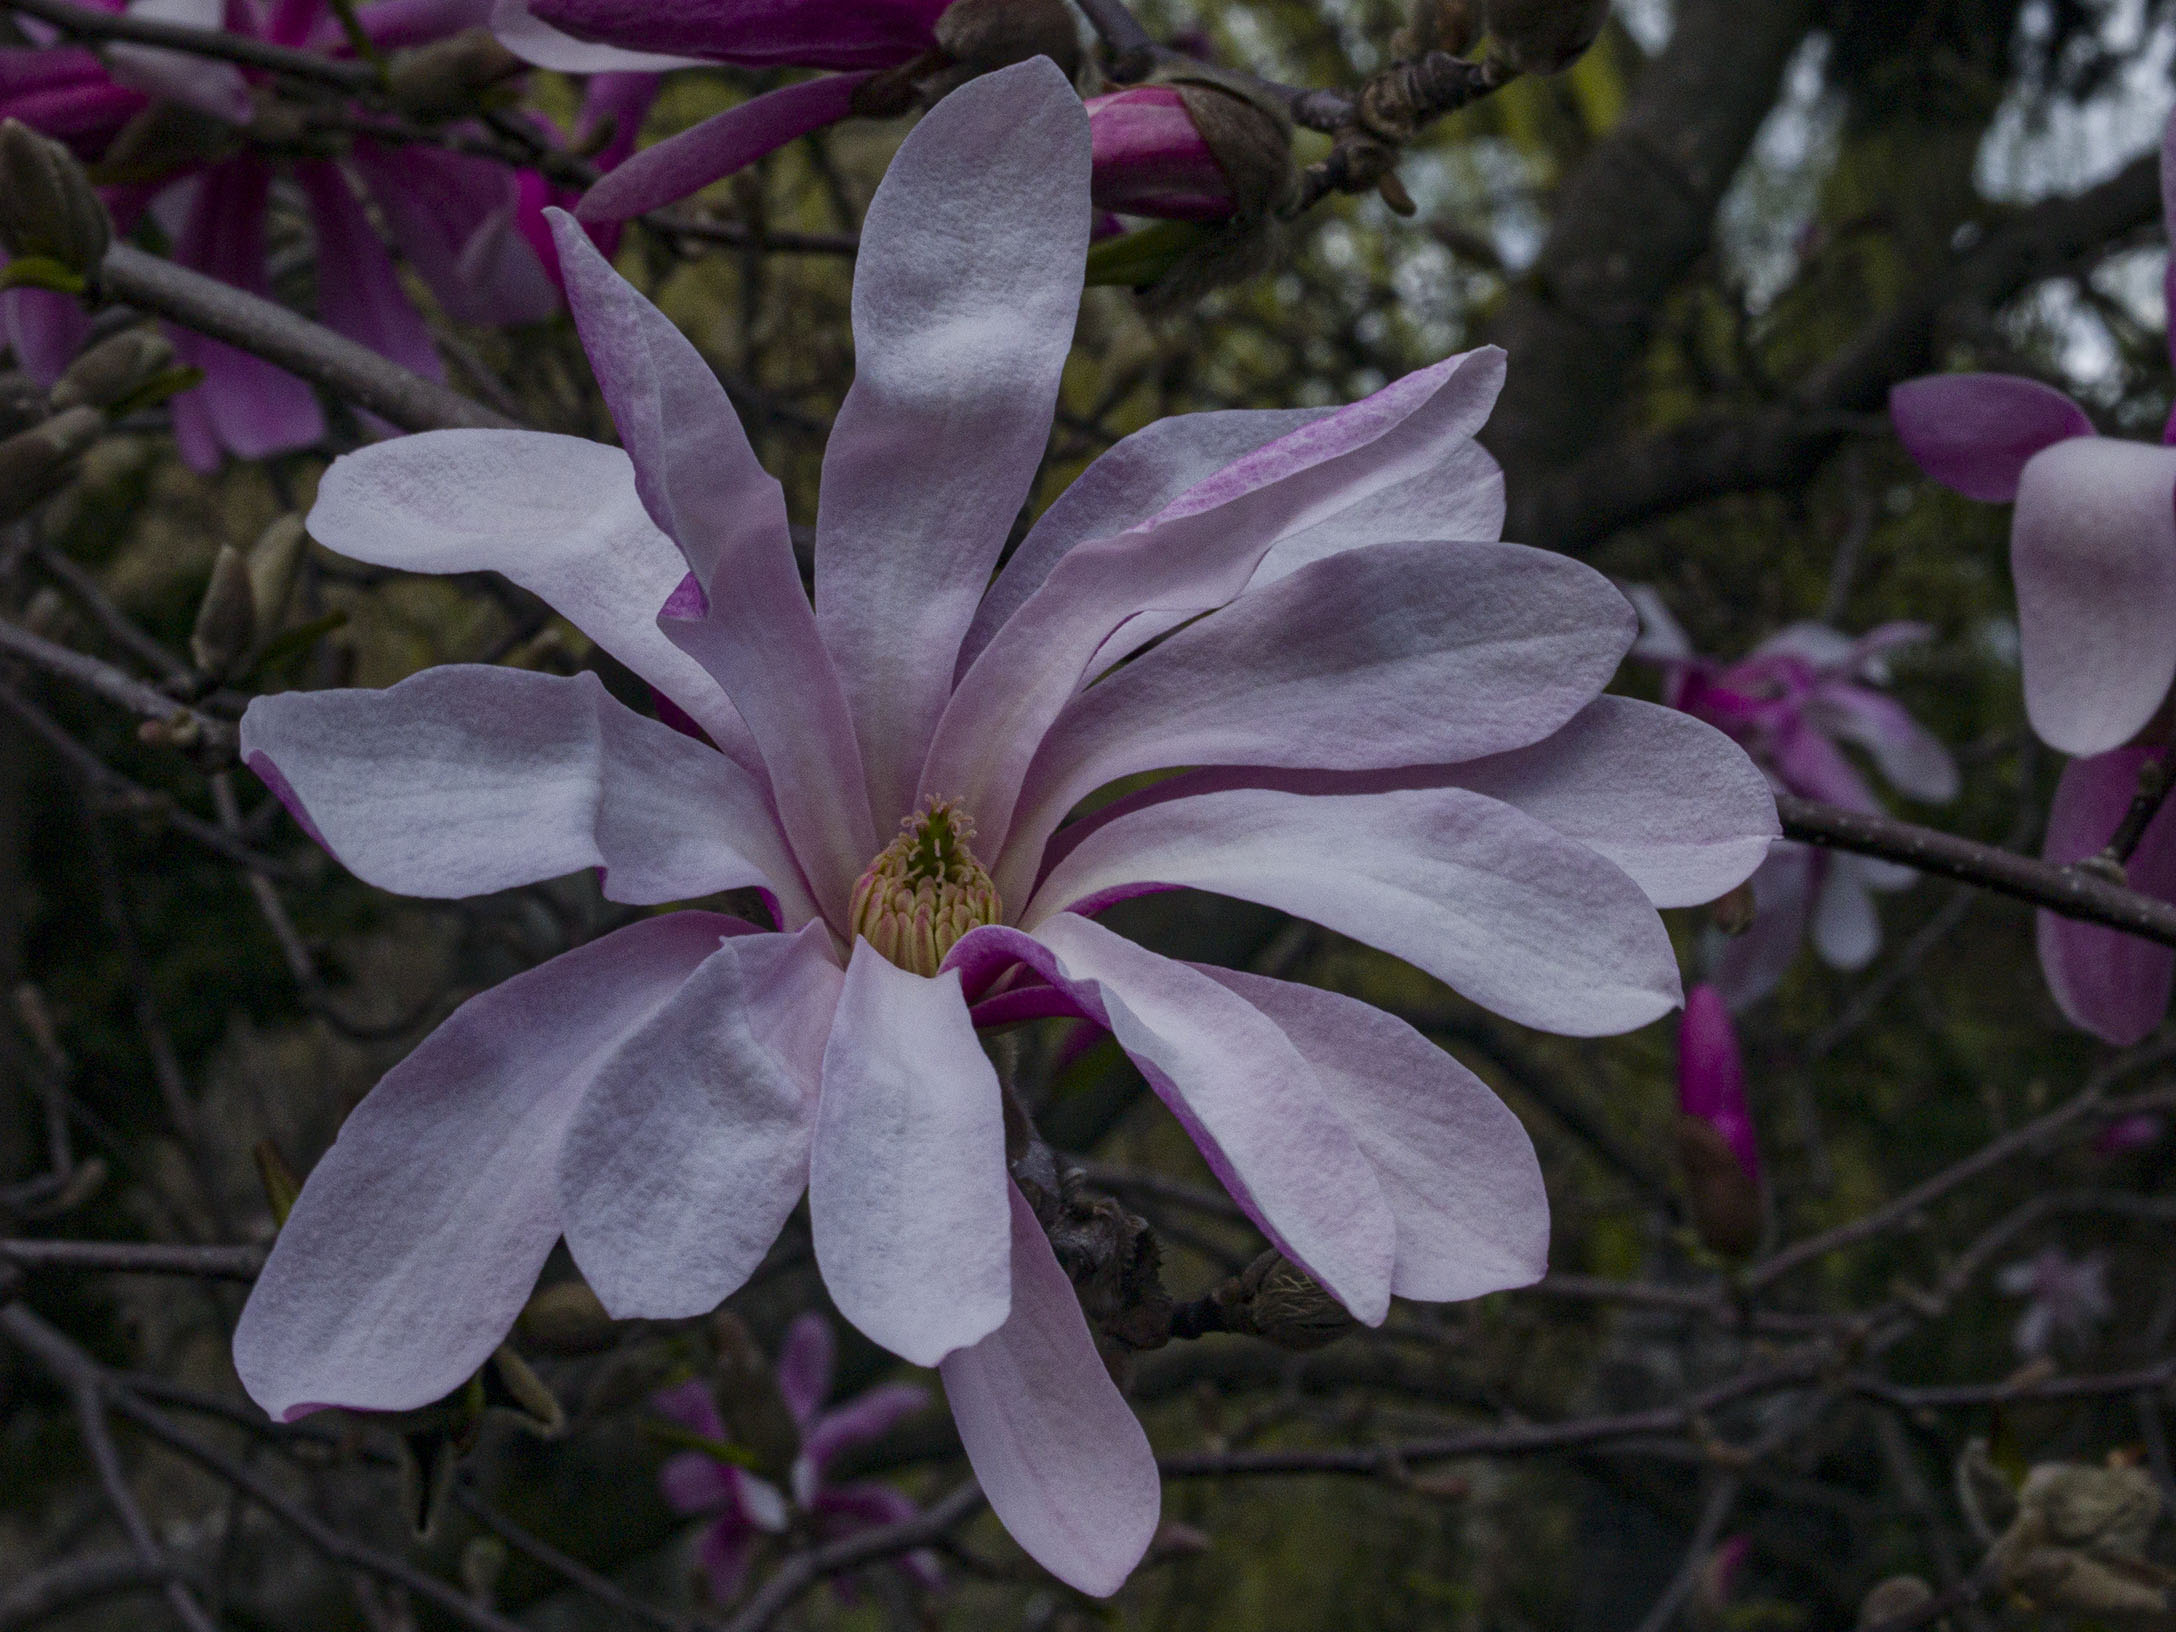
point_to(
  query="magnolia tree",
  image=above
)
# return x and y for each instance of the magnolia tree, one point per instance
(783, 840)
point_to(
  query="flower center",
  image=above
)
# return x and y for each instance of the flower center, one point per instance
(925, 889)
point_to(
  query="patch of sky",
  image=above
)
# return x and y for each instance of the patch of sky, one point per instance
(1771, 202)
(2038, 146)
(1648, 22)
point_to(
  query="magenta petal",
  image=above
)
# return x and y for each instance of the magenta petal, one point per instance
(2093, 551)
(533, 40)
(44, 329)
(692, 1405)
(1150, 160)
(724, 1553)
(866, 1416)
(1711, 1075)
(804, 1365)
(2113, 985)
(756, 33)
(1975, 432)
(418, 1236)
(2168, 214)
(358, 292)
(1065, 1465)
(720, 145)
(696, 1482)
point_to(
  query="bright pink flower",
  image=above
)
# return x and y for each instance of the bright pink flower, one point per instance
(1403, 741)
(747, 1507)
(1792, 703)
(1151, 160)
(1711, 1075)
(470, 227)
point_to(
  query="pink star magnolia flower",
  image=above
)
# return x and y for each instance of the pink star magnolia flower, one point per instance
(2067, 1296)
(1711, 1075)
(747, 1507)
(1791, 703)
(471, 228)
(1395, 731)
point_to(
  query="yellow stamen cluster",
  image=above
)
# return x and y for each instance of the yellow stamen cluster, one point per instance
(925, 889)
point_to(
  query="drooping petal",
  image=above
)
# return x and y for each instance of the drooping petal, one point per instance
(907, 1180)
(868, 1415)
(454, 217)
(1494, 903)
(533, 40)
(725, 1552)
(1248, 1098)
(1811, 765)
(1668, 798)
(2093, 551)
(965, 296)
(209, 86)
(358, 292)
(1914, 759)
(419, 1234)
(44, 329)
(805, 1358)
(2113, 985)
(556, 514)
(1662, 637)
(688, 1154)
(722, 144)
(465, 779)
(756, 33)
(1455, 1166)
(1753, 964)
(1976, 432)
(1394, 654)
(1065, 1465)
(1711, 1075)
(1197, 553)
(700, 481)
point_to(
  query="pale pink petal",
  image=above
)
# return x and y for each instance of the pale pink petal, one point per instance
(358, 292)
(2168, 213)
(965, 296)
(1388, 655)
(1846, 927)
(725, 142)
(757, 33)
(805, 1360)
(866, 1416)
(209, 86)
(1248, 1097)
(1197, 553)
(1668, 798)
(44, 329)
(1455, 1166)
(694, 1481)
(1914, 759)
(465, 779)
(556, 514)
(1711, 1075)
(2113, 985)
(503, 271)
(907, 1181)
(680, 1168)
(1975, 432)
(700, 481)
(1662, 637)
(1489, 900)
(1065, 1465)
(2093, 551)
(536, 41)
(1812, 766)
(1460, 499)
(418, 1236)
(1752, 965)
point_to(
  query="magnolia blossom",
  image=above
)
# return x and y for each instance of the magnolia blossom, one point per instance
(1711, 1077)
(2066, 1298)
(743, 1507)
(1381, 720)
(877, 49)
(472, 229)
(1792, 703)
(1151, 159)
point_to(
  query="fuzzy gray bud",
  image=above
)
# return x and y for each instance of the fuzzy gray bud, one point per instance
(47, 205)
(2078, 1543)
(443, 79)
(226, 619)
(565, 1318)
(273, 561)
(113, 369)
(1544, 36)
(1248, 133)
(35, 463)
(989, 34)
(1721, 1196)
(1277, 1301)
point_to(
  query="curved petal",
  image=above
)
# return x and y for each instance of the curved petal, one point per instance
(44, 329)
(696, 1482)
(757, 33)
(1975, 432)
(358, 292)
(454, 217)
(1248, 1097)
(686, 1157)
(2113, 985)
(1711, 1075)
(1455, 1166)
(1489, 900)
(216, 88)
(1393, 654)
(868, 1415)
(692, 1405)
(555, 514)
(700, 481)
(806, 1355)
(2093, 550)
(725, 142)
(1151, 160)
(1750, 966)
(726, 1550)
(535, 41)
(1846, 927)
(1671, 800)
(1057, 1450)
(1914, 759)
(1808, 763)
(965, 296)
(420, 1233)
(1459, 499)
(907, 1182)
(465, 779)
(1195, 554)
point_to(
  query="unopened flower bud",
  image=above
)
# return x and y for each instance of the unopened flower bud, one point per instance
(1544, 36)
(445, 78)
(273, 561)
(114, 369)
(749, 1399)
(511, 1386)
(2078, 1543)
(565, 1318)
(48, 208)
(990, 34)
(1716, 1149)
(1724, 1203)
(226, 619)
(1892, 1599)
(35, 463)
(1733, 911)
(1277, 1301)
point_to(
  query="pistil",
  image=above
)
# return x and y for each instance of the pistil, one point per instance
(925, 889)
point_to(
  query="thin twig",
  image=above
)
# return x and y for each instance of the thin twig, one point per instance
(91, 595)
(114, 685)
(1133, 52)
(136, 1258)
(86, 23)
(804, 1570)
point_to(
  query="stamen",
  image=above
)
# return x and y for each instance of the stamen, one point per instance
(925, 889)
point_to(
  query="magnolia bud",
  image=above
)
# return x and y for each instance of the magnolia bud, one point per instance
(226, 620)
(565, 1318)
(1733, 911)
(1250, 136)
(510, 1385)
(1724, 1203)
(755, 1411)
(114, 369)
(988, 34)
(444, 79)
(273, 560)
(47, 205)
(1544, 36)
(1715, 1146)
(281, 1187)
(2079, 1540)
(1891, 1599)
(1277, 1301)
(35, 463)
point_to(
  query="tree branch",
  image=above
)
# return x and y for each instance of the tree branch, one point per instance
(87, 23)
(136, 1258)
(215, 736)
(804, 1570)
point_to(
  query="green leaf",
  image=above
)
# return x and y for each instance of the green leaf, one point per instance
(1141, 258)
(687, 1439)
(41, 272)
(168, 382)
